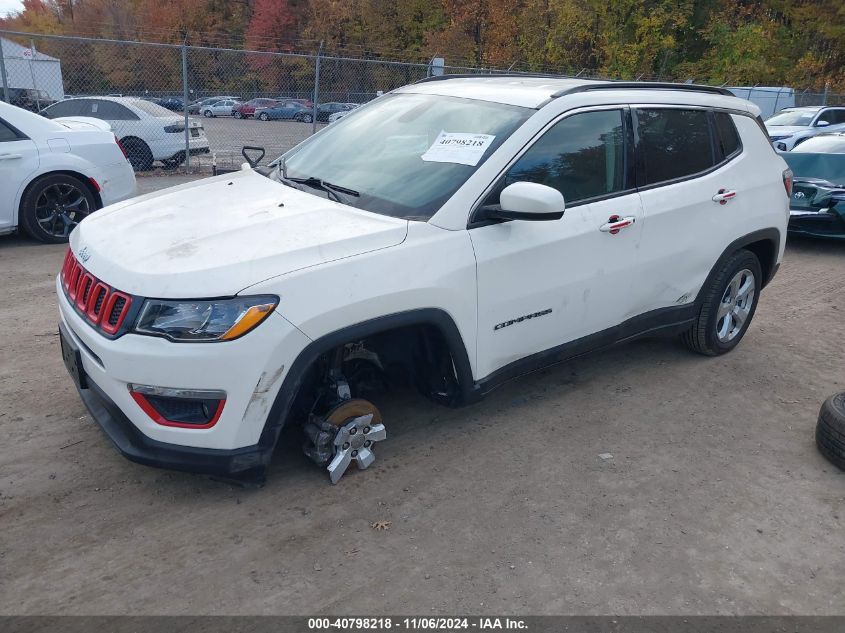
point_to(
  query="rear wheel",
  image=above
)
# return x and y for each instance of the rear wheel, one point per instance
(238, 115)
(53, 205)
(139, 154)
(728, 306)
(263, 116)
(307, 118)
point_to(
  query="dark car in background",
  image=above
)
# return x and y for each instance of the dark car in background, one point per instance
(28, 98)
(325, 110)
(248, 108)
(286, 111)
(817, 204)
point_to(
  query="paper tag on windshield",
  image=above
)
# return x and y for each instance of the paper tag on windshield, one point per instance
(463, 148)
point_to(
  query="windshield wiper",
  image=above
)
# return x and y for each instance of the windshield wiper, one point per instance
(317, 183)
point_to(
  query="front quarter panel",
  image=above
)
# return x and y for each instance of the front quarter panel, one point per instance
(432, 268)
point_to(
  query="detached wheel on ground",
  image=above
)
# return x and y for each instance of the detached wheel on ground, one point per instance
(729, 302)
(139, 154)
(53, 205)
(830, 430)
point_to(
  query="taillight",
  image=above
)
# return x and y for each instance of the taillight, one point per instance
(122, 149)
(787, 182)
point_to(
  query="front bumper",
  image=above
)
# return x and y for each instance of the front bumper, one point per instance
(247, 464)
(250, 370)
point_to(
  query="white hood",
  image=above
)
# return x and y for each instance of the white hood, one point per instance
(215, 237)
(783, 130)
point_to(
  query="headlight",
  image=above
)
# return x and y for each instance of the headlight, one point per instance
(212, 320)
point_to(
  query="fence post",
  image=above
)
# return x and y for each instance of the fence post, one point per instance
(316, 89)
(826, 90)
(185, 106)
(32, 73)
(3, 73)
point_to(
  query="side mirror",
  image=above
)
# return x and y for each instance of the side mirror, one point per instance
(527, 201)
(822, 123)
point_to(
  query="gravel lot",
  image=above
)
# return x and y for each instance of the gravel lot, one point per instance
(715, 500)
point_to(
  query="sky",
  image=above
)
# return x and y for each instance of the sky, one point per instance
(7, 6)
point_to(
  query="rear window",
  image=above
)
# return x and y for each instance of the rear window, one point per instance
(153, 109)
(726, 135)
(673, 143)
(74, 107)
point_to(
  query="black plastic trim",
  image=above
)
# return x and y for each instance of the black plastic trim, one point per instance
(671, 320)
(772, 235)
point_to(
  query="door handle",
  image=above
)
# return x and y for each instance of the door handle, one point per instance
(616, 223)
(10, 156)
(724, 196)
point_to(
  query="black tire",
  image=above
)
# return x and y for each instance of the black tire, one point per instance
(307, 118)
(139, 154)
(712, 333)
(53, 205)
(830, 430)
(263, 116)
(237, 115)
(208, 114)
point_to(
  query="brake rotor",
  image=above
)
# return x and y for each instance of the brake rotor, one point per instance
(359, 427)
(354, 408)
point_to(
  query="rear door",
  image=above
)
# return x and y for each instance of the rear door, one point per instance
(18, 160)
(693, 196)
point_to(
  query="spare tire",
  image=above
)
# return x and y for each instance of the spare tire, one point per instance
(830, 430)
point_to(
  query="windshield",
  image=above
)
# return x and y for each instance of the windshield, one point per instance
(792, 117)
(153, 109)
(386, 155)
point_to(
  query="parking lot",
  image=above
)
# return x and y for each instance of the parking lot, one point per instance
(714, 501)
(226, 136)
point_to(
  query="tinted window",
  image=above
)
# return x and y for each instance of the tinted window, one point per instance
(726, 135)
(73, 107)
(153, 109)
(7, 133)
(111, 111)
(674, 143)
(833, 117)
(583, 156)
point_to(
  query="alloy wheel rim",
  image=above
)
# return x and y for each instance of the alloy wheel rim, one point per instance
(735, 306)
(60, 208)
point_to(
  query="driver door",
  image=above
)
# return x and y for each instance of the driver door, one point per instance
(542, 284)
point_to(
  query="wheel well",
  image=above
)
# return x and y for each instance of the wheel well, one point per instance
(81, 177)
(302, 368)
(765, 250)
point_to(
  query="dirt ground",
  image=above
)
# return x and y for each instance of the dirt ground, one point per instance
(715, 500)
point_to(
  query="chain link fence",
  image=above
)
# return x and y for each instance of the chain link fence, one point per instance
(180, 107)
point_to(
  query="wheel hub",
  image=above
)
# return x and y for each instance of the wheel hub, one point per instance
(354, 441)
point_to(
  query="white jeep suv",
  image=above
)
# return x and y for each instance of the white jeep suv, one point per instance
(452, 234)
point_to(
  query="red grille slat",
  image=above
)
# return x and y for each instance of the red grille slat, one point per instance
(115, 312)
(104, 307)
(96, 298)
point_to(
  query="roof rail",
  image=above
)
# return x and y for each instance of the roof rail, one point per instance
(641, 85)
(489, 76)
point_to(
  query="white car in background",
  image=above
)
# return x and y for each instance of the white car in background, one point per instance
(792, 126)
(148, 131)
(55, 173)
(336, 116)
